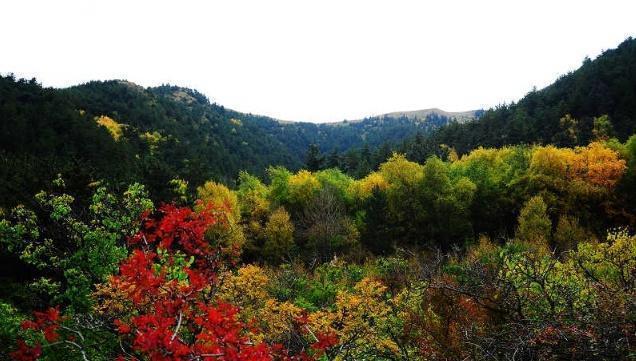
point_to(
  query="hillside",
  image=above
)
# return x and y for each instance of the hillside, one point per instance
(423, 114)
(129, 229)
(603, 86)
(518, 252)
(119, 132)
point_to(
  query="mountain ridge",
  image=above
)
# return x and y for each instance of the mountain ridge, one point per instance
(172, 131)
(423, 113)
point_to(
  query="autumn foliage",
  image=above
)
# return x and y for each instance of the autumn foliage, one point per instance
(169, 281)
(498, 254)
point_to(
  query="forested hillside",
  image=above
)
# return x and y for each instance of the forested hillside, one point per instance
(518, 252)
(562, 113)
(152, 224)
(119, 132)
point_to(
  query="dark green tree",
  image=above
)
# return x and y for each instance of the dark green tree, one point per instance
(315, 161)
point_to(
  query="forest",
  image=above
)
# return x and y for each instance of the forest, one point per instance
(514, 252)
(153, 224)
(119, 132)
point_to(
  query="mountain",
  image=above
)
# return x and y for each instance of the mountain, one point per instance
(119, 132)
(424, 114)
(603, 86)
(376, 130)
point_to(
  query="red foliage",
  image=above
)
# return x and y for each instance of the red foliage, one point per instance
(25, 352)
(178, 228)
(175, 319)
(325, 341)
(48, 323)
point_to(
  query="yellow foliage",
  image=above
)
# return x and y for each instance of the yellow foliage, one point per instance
(253, 200)
(153, 139)
(496, 157)
(302, 186)
(596, 164)
(599, 165)
(229, 233)
(277, 319)
(220, 197)
(279, 233)
(613, 261)
(115, 129)
(246, 289)
(552, 161)
(400, 170)
(111, 299)
(363, 188)
(359, 319)
(535, 227)
(451, 153)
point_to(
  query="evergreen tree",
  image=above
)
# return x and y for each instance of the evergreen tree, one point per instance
(333, 159)
(314, 160)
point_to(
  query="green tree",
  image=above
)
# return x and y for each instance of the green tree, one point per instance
(603, 129)
(314, 160)
(445, 203)
(568, 134)
(70, 248)
(534, 224)
(569, 233)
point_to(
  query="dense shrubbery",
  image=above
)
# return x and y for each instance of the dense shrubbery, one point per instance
(509, 253)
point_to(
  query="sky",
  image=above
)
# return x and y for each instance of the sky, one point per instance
(317, 61)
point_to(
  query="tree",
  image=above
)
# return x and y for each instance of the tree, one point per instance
(225, 202)
(69, 248)
(569, 233)
(279, 236)
(326, 228)
(314, 160)
(444, 205)
(603, 129)
(361, 321)
(535, 226)
(302, 188)
(334, 159)
(568, 135)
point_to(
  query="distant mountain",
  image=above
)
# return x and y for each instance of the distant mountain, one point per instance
(424, 114)
(371, 131)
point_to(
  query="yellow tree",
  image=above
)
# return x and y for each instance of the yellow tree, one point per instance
(534, 224)
(360, 320)
(247, 288)
(279, 235)
(598, 165)
(219, 197)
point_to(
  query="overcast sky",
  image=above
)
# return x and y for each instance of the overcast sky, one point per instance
(314, 60)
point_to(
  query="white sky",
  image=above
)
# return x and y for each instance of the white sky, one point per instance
(314, 60)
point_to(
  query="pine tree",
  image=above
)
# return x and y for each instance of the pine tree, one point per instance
(315, 160)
